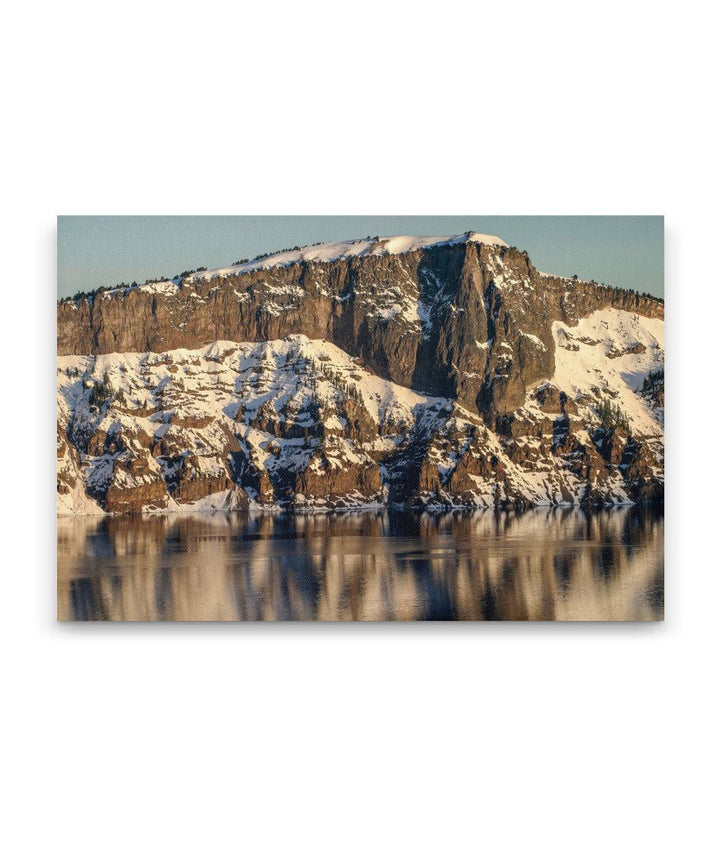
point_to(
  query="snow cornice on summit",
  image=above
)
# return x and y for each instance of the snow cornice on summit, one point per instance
(313, 253)
(330, 252)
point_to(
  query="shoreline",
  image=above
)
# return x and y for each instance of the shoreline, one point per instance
(438, 508)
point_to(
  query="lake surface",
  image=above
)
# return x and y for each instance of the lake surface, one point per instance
(543, 564)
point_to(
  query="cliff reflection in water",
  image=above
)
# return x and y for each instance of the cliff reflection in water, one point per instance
(545, 564)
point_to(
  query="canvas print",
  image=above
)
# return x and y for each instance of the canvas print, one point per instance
(360, 418)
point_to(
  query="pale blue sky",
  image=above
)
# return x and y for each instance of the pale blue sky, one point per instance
(95, 251)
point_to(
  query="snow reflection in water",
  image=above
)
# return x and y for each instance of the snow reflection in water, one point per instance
(544, 564)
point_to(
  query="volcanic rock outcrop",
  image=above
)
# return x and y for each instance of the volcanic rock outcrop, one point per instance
(424, 371)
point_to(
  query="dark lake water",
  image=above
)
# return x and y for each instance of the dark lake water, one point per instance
(544, 564)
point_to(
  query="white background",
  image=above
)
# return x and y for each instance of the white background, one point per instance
(358, 739)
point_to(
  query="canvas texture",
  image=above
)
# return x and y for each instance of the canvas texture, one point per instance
(379, 428)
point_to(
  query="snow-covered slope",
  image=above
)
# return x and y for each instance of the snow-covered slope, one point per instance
(249, 421)
(301, 422)
(611, 353)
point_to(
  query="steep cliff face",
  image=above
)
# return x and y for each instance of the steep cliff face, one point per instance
(442, 318)
(435, 371)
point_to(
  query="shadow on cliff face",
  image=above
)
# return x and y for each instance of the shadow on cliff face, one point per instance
(439, 278)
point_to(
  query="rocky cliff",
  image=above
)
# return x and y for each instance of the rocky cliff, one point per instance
(433, 371)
